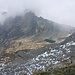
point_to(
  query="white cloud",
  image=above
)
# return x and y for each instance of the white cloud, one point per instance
(61, 11)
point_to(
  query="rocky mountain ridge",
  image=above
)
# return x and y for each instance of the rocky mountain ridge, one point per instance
(19, 35)
(32, 27)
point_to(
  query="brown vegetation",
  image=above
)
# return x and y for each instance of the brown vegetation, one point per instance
(23, 44)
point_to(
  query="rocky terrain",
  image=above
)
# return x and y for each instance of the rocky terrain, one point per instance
(15, 31)
(41, 59)
(29, 26)
(30, 44)
(65, 66)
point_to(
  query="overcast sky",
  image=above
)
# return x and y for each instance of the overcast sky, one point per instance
(61, 11)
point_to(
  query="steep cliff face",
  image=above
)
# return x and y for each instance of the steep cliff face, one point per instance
(17, 27)
(26, 39)
(30, 26)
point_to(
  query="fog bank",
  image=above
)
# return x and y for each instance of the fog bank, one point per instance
(61, 11)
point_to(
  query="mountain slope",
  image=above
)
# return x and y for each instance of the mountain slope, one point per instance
(30, 32)
(42, 59)
(66, 66)
(23, 46)
(32, 27)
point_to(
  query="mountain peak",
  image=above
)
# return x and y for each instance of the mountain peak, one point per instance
(30, 13)
(29, 25)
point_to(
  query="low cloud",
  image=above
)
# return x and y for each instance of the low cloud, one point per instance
(61, 11)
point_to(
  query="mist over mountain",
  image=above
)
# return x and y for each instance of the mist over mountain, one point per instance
(37, 37)
(32, 27)
(29, 41)
(58, 11)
